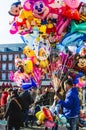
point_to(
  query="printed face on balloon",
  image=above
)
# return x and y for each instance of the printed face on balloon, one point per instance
(40, 9)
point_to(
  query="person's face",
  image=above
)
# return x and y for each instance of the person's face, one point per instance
(66, 87)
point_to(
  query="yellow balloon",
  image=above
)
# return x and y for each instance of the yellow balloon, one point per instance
(42, 29)
(25, 14)
(40, 116)
(43, 63)
(28, 66)
(30, 54)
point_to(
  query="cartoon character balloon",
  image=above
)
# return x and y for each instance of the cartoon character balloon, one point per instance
(40, 8)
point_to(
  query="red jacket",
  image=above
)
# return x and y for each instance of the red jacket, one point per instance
(4, 98)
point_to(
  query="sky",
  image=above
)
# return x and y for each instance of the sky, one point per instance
(5, 36)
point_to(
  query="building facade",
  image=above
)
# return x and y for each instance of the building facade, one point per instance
(8, 52)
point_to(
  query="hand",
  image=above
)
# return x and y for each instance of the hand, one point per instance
(56, 98)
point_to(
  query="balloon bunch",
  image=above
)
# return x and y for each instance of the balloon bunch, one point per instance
(47, 25)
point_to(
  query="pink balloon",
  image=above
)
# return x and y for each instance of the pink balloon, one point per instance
(37, 75)
(14, 28)
(62, 23)
(81, 84)
(72, 3)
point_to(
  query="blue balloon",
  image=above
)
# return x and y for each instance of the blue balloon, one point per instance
(29, 85)
(74, 39)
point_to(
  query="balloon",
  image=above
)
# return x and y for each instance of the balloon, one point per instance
(14, 28)
(37, 75)
(72, 3)
(28, 66)
(60, 48)
(81, 27)
(62, 120)
(62, 23)
(81, 83)
(80, 63)
(30, 54)
(15, 9)
(29, 85)
(57, 4)
(29, 38)
(49, 124)
(40, 8)
(82, 12)
(40, 116)
(70, 13)
(47, 113)
(73, 38)
(42, 48)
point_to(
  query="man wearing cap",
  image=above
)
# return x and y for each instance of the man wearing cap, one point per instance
(71, 105)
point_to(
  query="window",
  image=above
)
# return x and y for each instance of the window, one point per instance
(10, 65)
(4, 66)
(10, 57)
(3, 76)
(4, 57)
(8, 75)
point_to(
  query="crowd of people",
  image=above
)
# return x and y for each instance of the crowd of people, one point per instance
(17, 102)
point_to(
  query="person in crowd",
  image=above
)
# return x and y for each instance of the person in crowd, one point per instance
(71, 105)
(13, 113)
(27, 100)
(4, 99)
(33, 93)
(9, 94)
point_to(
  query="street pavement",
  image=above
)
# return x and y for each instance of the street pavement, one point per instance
(38, 128)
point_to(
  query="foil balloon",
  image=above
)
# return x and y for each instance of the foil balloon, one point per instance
(14, 28)
(28, 66)
(15, 9)
(47, 113)
(72, 3)
(40, 8)
(81, 83)
(29, 38)
(57, 4)
(40, 116)
(29, 85)
(70, 13)
(30, 54)
(62, 23)
(42, 48)
(73, 39)
(82, 12)
(81, 27)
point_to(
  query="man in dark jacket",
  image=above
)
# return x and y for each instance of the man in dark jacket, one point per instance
(27, 100)
(71, 105)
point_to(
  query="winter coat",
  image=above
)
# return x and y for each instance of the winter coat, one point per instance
(4, 98)
(26, 99)
(14, 113)
(71, 104)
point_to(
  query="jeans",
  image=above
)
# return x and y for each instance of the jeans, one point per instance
(73, 123)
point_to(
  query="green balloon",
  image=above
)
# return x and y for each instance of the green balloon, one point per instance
(81, 27)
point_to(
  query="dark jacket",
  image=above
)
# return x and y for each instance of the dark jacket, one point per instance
(71, 105)
(26, 99)
(14, 113)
